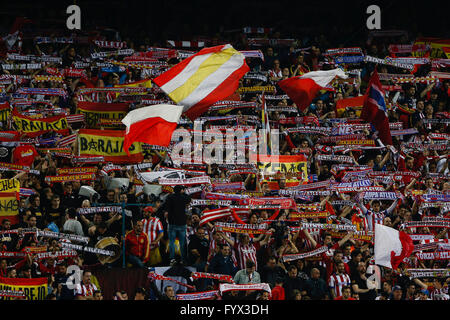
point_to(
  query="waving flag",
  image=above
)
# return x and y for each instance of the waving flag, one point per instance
(391, 246)
(208, 76)
(355, 103)
(153, 125)
(303, 89)
(374, 109)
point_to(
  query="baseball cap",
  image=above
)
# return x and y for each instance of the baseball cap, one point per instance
(149, 209)
(425, 291)
(397, 288)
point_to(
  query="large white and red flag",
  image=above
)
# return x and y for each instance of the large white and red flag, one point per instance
(391, 246)
(153, 125)
(303, 89)
(208, 76)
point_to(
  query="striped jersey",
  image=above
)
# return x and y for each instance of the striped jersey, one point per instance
(336, 282)
(316, 235)
(85, 290)
(152, 227)
(372, 218)
(439, 294)
(245, 252)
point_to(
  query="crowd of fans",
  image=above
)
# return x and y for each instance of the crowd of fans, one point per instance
(165, 229)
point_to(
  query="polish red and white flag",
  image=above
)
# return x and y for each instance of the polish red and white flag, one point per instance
(153, 125)
(391, 246)
(303, 89)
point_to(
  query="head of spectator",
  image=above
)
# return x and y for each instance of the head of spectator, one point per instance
(170, 292)
(346, 292)
(397, 293)
(315, 273)
(32, 221)
(225, 250)
(292, 271)
(140, 294)
(97, 295)
(250, 266)
(138, 227)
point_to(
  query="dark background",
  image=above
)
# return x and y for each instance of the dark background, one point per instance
(340, 22)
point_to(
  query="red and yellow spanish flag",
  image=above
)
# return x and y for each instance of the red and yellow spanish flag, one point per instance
(109, 144)
(439, 47)
(355, 103)
(33, 289)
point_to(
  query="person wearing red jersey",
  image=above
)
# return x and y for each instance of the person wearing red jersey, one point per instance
(24, 155)
(154, 230)
(137, 246)
(346, 294)
(278, 291)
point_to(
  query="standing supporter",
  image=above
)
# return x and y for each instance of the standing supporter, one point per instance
(153, 228)
(175, 206)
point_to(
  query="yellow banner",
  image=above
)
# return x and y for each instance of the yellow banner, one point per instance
(9, 185)
(266, 89)
(281, 163)
(29, 125)
(417, 192)
(93, 118)
(284, 167)
(76, 170)
(355, 236)
(146, 83)
(34, 289)
(309, 214)
(70, 177)
(437, 47)
(5, 112)
(109, 144)
(9, 207)
(95, 112)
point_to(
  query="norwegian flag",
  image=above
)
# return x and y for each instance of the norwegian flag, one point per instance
(25, 192)
(374, 109)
